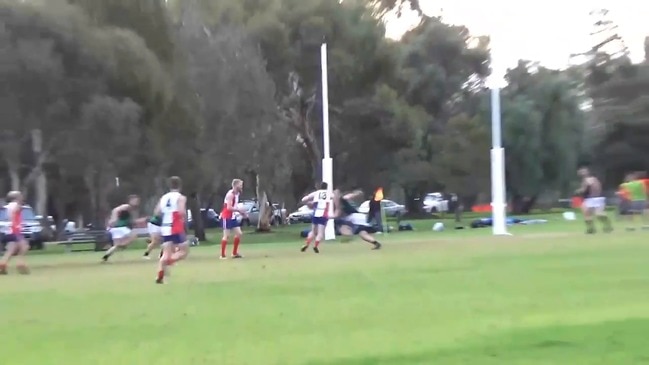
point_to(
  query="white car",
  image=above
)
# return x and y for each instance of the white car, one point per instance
(302, 215)
(390, 208)
(435, 203)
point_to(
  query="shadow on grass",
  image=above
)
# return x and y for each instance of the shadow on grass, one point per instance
(611, 342)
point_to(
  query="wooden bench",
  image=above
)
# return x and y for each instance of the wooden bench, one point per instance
(99, 238)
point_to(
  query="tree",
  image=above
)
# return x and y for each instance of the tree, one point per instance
(543, 125)
(463, 162)
(440, 70)
(108, 133)
(58, 61)
(384, 6)
(619, 118)
(240, 122)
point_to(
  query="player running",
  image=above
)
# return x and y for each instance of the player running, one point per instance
(15, 243)
(229, 218)
(594, 203)
(350, 221)
(321, 200)
(155, 237)
(121, 223)
(173, 209)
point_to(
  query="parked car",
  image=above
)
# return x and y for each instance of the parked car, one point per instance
(435, 203)
(302, 215)
(390, 208)
(31, 227)
(252, 218)
(212, 218)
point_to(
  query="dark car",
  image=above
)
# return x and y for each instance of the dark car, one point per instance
(31, 226)
(210, 219)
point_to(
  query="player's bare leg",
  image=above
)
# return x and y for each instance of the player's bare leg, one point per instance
(180, 252)
(237, 241)
(588, 220)
(224, 243)
(319, 236)
(603, 218)
(22, 249)
(165, 261)
(155, 240)
(347, 232)
(370, 239)
(309, 237)
(119, 244)
(11, 249)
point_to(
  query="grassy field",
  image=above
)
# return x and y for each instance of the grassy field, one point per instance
(547, 295)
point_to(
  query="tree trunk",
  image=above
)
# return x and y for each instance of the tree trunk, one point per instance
(104, 186)
(517, 203)
(523, 204)
(59, 214)
(38, 174)
(265, 213)
(528, 204)
(89, 180)
(14, 175)
(197, 218)
(41, 194)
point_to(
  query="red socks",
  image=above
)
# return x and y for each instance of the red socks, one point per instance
(317, 243)
(224, 244)
(235, 250)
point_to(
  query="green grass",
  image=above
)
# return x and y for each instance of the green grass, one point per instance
(548, 295)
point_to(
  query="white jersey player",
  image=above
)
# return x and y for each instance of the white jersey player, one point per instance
(321, 201)
(173, 209)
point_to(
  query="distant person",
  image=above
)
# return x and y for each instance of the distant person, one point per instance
(374, 215)
(321, 202)
(173, 209)
(231, 225)
(635, 193)
(350, 221)
(624, 201)
(15, 243)
(121, 224)
(594, 202)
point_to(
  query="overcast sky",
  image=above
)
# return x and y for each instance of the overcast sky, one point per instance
(547, 32)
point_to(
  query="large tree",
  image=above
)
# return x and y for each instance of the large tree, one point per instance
(543, 126)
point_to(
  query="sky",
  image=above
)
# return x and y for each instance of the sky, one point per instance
(544, 31)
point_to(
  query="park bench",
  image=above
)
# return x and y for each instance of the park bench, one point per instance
(99, 239)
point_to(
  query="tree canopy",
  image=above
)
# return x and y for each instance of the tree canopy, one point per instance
(137, 90)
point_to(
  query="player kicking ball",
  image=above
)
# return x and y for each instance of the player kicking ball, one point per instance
(321, 201)
(173, 209)
(350, 221)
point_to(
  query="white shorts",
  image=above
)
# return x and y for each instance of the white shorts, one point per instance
(118, 233)
(153, 229)
(357, 219)
(595, 203)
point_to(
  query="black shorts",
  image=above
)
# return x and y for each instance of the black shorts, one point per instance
(356, 228)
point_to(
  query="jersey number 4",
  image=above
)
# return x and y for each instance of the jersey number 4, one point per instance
(168, 205)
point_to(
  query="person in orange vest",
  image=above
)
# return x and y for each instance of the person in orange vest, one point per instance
(374, 213)
(635, 193)
(624, 196)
